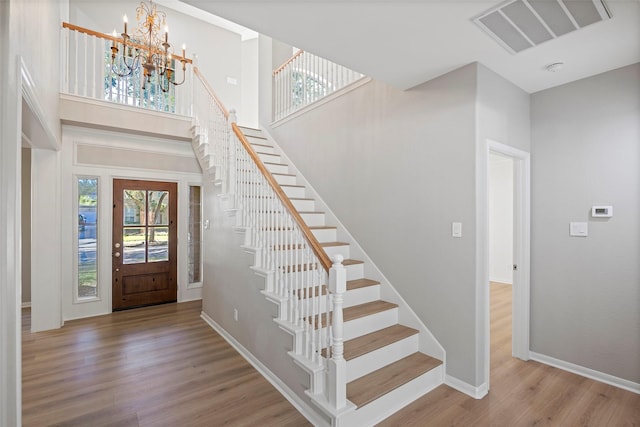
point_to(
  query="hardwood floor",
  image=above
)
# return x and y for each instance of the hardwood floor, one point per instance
(163, 366)
(522, 393)
(154, 366)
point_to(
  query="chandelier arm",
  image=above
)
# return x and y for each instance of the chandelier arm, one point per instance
(184, 73)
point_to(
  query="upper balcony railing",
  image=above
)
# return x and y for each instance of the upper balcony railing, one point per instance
(304, 79)
(87, 72)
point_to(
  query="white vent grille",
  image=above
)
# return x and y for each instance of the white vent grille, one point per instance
(521, 24)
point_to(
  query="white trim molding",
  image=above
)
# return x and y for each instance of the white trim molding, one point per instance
(53, 140)
(302, 406)
(476, 392)
(586, 372)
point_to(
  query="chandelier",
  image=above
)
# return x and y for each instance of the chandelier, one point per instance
(148, 48)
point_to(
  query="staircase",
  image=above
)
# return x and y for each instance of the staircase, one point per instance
(384, 367)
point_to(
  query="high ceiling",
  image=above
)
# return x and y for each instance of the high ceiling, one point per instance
(405, 43)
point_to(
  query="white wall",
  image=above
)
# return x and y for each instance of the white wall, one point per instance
(397, 168)
(219, 51)
(501, 219)
(248, 111)
(585, 293)
(46, 235)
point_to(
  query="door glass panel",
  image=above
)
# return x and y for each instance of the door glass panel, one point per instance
(134, 245)
(158, 208)
(158, 247)
(134, 207)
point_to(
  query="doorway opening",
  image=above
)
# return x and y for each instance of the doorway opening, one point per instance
(516, 163)
(501, 265)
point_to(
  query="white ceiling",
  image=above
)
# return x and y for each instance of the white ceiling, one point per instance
(405, 43)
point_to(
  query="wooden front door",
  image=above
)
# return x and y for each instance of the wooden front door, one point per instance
(144, 243)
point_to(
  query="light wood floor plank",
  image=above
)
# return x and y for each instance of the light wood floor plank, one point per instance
(155, 366)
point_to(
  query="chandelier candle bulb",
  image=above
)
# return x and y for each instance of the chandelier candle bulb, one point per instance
(184, 50)
(115, 35)
(166, 34)
(124, 18)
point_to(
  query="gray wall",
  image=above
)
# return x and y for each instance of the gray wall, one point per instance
(585, 291)
(397, 168)
(230, 284)
(26, 225)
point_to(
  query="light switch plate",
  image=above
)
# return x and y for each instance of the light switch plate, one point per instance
(578, 229)
(456, 229)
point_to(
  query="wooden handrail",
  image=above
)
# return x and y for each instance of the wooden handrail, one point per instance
(287, 62)
(311, 239)
(118, 40)
(210, 91)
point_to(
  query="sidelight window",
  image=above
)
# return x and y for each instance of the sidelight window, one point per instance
(87, 240)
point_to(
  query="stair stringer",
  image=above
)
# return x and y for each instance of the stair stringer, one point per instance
(429, 345)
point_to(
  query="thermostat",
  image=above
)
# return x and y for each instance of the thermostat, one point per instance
(602, 211)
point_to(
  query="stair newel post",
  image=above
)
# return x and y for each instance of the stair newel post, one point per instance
(231, 153)
(337, 378)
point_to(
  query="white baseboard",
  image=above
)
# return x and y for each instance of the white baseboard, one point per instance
(26, 304)
(302, 406)
(466, 388)
(586, 372)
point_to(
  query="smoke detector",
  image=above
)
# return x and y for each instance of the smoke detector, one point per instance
(518, 25)
(555, 67)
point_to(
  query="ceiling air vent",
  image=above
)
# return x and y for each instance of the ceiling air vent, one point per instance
(521, 24)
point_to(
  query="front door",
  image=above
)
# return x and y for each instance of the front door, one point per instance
(144, 243)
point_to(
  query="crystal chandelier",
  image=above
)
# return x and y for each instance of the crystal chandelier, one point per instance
(146, 47)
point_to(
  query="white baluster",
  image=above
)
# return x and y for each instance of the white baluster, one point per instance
(75, 65)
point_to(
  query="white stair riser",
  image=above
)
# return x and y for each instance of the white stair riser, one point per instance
(260, 147)
(285, 179)
(343, 250)
(269, 158)
(273, 168)
(313, 218)
(381, 357)
(361, 295)
(358, 296)
(355, 271)
(304, 205)
(393, 401)
(252, 133)
(365, 325)
(295, 192)
(325, 234)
